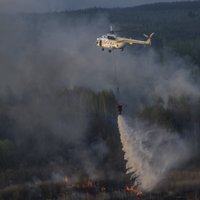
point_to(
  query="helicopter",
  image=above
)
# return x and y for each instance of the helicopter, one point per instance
(111, 41)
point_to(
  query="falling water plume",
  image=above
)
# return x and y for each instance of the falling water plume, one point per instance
(150, 152)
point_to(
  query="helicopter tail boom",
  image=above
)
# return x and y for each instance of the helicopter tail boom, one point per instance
(133, 41)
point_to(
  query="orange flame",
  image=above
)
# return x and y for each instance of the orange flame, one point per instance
(134, 190)
(88, 184)
(66, 180)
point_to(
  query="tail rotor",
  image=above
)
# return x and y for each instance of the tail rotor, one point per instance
(149, 38)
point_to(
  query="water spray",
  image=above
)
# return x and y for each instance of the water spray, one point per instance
(150, 152)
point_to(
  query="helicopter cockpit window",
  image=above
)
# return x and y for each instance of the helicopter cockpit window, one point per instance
(111, 37)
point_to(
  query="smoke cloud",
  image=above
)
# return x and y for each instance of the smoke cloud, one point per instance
(42, 57)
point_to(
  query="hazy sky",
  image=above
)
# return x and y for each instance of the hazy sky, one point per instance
(52, 5)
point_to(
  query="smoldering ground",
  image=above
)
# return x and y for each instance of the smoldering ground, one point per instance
(41, 57)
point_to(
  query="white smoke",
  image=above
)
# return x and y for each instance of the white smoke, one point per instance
(58, 57)
(150, 152)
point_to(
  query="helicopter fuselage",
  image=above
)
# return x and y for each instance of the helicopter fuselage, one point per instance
(111, 41)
